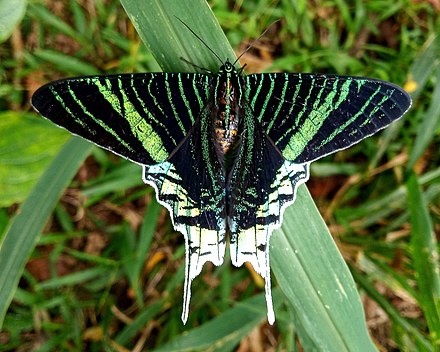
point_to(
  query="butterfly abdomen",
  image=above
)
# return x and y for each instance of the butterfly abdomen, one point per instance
(226, 121)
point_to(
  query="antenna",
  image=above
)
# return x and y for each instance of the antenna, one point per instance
(198, 37)
(253, 42)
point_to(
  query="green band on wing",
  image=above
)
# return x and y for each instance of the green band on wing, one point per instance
(143, 131)
(298, 141)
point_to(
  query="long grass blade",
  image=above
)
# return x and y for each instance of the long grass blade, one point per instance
(169, 41)
(426, 259)
(316, 281)
(23, 233)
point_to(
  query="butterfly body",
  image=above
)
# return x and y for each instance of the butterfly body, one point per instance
(227, 111)
(225, 152)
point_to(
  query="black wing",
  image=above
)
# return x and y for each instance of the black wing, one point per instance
(308, 116)
(142, 117)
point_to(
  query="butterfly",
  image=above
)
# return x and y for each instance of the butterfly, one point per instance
(225, 152)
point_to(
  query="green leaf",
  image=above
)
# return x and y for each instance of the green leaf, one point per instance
(22, 235)
(399, 322)
(428, 126)
(316, 281)
(169, 41)
(27, 146)
(222, 333)
(426, 258)
(11, 13)
(67, 63)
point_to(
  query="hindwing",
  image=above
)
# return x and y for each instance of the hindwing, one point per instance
(191, 185)
(262, 184)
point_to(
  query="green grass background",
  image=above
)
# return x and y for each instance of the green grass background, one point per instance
(107, 274)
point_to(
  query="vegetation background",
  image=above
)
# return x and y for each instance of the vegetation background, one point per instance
(107, 274)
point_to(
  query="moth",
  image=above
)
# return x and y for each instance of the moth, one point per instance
(225, 152)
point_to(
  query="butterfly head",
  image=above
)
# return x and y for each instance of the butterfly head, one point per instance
(227, 68)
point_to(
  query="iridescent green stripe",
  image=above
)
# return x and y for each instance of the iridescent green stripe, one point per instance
(268, 92)
(185, 101)
(299, 140)
(150, 115)
(85, 111)
(300, 114)
(375, 110)
(65, 107)
(257, 92)
(354, 117)
(281, 102)
(170, 100)
(140, 128)
(295, 94)
(202, 102)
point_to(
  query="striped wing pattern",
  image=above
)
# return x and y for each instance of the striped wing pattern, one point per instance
(154, 119)
(262, 185)
(191, 185)
(163, 121)
(309, 116)
(142, 117)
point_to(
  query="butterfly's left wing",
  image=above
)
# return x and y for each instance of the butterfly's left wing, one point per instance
(308, 116)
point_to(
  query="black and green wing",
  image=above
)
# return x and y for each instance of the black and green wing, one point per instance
(262, 184)
(291, 120)
(308, 116)
(159, 120)
(191, 184)
(142, 117)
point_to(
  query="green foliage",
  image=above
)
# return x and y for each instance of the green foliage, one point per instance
(27, 146)
(108, 270)
(11, 13)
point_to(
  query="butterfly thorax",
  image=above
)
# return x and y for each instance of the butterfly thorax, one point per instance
(226, 112)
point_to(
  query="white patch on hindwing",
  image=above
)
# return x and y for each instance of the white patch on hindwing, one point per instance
(247, 244)
(252, 244)
(201, 244)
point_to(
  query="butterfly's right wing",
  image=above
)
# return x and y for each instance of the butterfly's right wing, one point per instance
(142, 116)
(308, 116)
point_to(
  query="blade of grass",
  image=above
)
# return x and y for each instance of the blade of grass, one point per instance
(426, 258)
(146, 235)
(22, 235)
(66, 62)
(50, 20)
(169, 41)
(422, 343)
(428, 126)
(146, 315)
(316, 281)
(224, 332)
(11, 13)
(422, 68)
(75, 278)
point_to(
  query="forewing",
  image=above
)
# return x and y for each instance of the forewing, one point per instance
(308, 116)
(191, 185)
(142, 117)
(262, 185)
